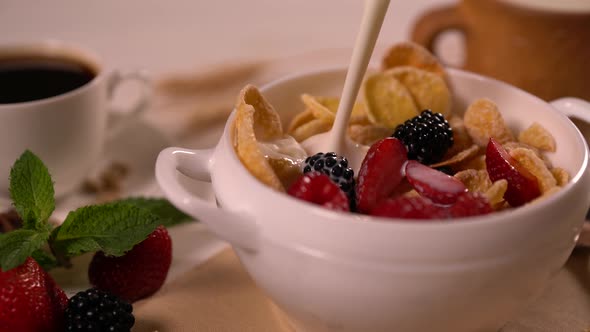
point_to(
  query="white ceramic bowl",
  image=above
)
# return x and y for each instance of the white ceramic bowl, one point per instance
(343, 272)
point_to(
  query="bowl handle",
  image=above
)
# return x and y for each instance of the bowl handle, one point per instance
(580, 109)
(573, 107)
(240, 230)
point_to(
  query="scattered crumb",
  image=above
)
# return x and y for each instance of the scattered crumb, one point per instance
(108, 184)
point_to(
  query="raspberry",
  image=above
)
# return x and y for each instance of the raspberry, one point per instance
(427, 137)
(416, 207)
(96, 310)
(336, 167)
(317, 188)
(470, 204)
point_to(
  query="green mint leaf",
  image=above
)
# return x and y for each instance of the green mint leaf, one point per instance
(45, 259)
(169, 215)
(112, 227)
(17, 245)
(31, 190)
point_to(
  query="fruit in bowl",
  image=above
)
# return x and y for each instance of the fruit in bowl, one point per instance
(341, 271)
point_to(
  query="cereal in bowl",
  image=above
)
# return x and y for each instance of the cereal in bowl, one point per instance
(268, 153)
(423, 160)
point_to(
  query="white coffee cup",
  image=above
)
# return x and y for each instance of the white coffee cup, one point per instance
(68, 130)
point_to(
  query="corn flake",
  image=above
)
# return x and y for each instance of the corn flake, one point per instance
(428, 90)
(326, 107)
(495, 193)
(460, 157)
(515, 145)
(367, 134)
(300, 119)
(311, 128)
(539, 137)
(483, 120)
(388, 101)
(475, 180)
(256, 120)
(529, 160)
(415, 55)
(562, 177)
(478, 163)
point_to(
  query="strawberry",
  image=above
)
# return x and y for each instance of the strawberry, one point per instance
(469, 204)
(522, 184)
(317, 188)
(438, 186)
(137, 274)
(417, 207)
(30, 301)
(380, 173)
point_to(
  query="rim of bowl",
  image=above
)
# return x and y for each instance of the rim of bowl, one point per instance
(379, 222)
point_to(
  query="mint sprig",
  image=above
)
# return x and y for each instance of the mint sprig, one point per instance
(31, 190)
(45, 259)
(169, 215)
(17, 245)
(113, 228)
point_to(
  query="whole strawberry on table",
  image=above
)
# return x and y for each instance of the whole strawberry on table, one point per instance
(132, 256)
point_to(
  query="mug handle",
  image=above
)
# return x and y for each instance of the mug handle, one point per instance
(119, 117)
(239, 230)
(432, 23)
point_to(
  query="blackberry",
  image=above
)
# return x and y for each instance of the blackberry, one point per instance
(427, 137)
(96, 310)
(336, 167)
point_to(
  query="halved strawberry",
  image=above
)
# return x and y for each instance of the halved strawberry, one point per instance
(380, 173)
(469, 204)
(417, 207)
(523, 186)
(438, 186)
(317, 188)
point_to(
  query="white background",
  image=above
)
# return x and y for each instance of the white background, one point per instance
(176, 35)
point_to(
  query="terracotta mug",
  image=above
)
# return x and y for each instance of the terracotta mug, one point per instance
(538, 45)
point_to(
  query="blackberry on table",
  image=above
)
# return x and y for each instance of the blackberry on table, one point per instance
(94, 310)
(336, 167)
(427, 137)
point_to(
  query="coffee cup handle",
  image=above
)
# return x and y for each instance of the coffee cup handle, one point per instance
(240, 230)
(119, 116)
(432, 23)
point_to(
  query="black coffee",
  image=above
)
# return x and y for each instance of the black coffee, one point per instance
(32, 78)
